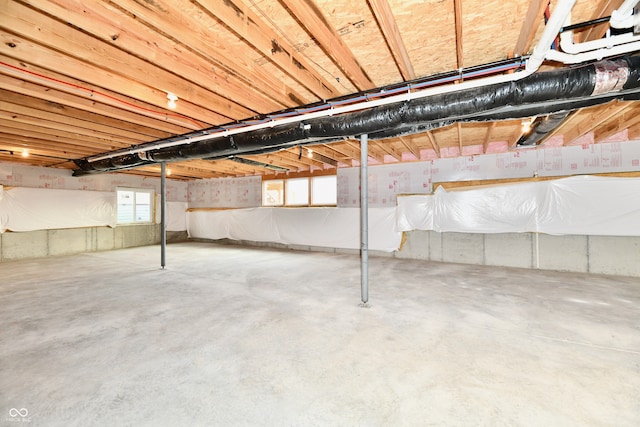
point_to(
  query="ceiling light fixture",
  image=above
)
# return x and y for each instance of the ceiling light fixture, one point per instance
(172, 100)
(309, 153)
(25, 153)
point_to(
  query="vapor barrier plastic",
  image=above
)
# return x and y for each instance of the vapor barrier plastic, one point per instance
(581, 205)
(323, 227)
(28, 209)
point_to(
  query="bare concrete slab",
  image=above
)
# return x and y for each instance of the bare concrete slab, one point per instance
(236, 336)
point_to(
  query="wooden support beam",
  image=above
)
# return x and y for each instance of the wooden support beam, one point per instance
(31, 129)
(628, 119)
(433, 142)
(487, 137)
(592, 118)
(318, 26)
(248, 25)
(53, 125)
(30, 80)
(530, 26)
(410, 146)
(388, 149)
(457, 5)
(459, 128)
(389, 28)
(348, 151)
(86, 106)
(110, 61)
(116, 28)
(327, 152)
(93, 120)
(171, 18)
(25, 50)
(72, 124)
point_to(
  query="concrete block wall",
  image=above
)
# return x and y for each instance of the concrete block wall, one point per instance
(587, 254)
(43, 243)
(584, 254)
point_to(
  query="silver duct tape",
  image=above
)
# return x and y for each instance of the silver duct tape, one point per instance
(610, 76)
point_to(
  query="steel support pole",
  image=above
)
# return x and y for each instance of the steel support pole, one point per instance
(364, 218)
(163, 214)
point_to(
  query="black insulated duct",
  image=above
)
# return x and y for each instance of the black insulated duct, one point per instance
(558, 91)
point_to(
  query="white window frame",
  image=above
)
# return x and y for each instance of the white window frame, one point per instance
(288, 202)
(311, 195)
(310, 200)
(264, 195)
(136, 191)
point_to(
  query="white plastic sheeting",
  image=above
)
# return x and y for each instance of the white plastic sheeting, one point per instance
(583, 205)
(325, 227)
(27, 209)
(176, 215)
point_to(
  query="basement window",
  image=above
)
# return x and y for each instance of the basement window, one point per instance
(273, 192)
(314, 191)
(297, 192)
(135, 206)
(324, 190)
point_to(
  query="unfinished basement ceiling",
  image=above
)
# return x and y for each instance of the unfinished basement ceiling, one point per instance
(79, 79)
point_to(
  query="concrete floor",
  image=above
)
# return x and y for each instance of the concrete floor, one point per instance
(231, 336)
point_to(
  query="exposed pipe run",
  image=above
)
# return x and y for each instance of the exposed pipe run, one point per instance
(498, 97)
(623, 17)
(541, 93)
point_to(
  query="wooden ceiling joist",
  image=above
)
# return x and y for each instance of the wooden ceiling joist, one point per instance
(588, 119)
(530, 26)
(627, 119)
(23, 49)
(248, 25)
(171, 18)
(389, 28)
(487, 137)
(434, 143)
(134, 37)
(410, 146)
(80, 117)
(48, 85)
(457, 5)
(319, 27)
(108, 60)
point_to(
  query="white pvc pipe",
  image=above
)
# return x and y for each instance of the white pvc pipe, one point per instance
(567, 58)
(539, 54)
(623, 16)
(556, 21)
(568, 46)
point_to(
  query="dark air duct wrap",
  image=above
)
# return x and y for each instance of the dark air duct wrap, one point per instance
(558, 91)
